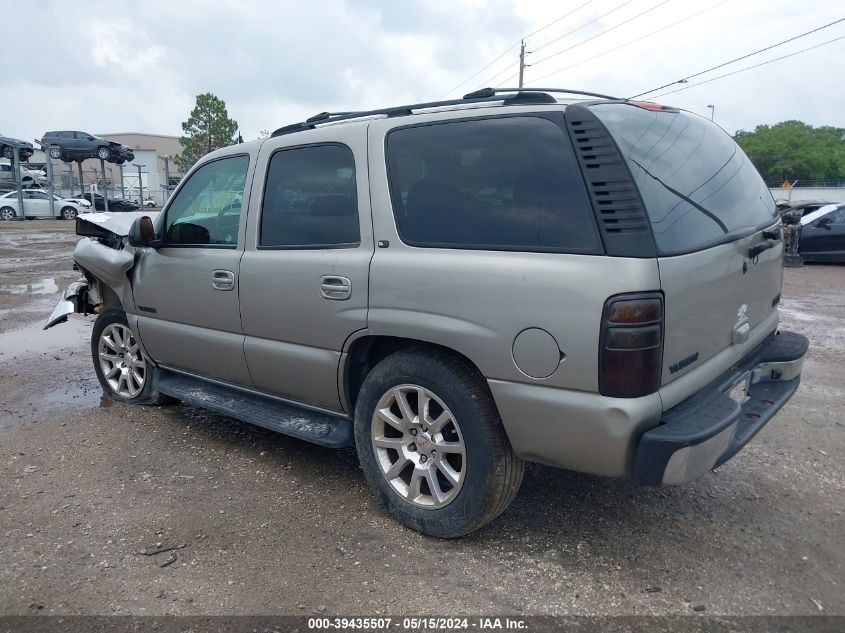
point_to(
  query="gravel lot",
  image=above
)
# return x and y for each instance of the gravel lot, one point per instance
(272, 525)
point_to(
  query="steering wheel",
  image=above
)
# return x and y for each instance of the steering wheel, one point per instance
(221, 227)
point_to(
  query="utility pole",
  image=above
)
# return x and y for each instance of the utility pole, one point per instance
(15, 164)
(521, 61)
(166, 160)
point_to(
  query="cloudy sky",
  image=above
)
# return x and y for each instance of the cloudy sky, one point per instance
(118, 66)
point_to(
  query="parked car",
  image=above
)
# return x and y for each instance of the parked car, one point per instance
(793, 213)
(84, 204)
(72, 145)
(117, 205)
(29, 177)
(150, 203)
(36, 204)
(7, 144)
(456, 290)
(823, 234)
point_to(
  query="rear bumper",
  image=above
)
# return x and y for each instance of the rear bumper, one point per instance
(707, 429)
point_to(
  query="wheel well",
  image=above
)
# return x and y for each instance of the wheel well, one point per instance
(366, 352)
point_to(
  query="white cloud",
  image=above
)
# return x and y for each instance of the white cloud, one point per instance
(142, 65)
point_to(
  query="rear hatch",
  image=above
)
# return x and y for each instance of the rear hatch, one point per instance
(711, 213)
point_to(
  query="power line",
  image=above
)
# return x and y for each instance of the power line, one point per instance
(509, 49)
(742, 70)
(634, 41)
(492, 80)
(473, 76)
(608, 30)
(556, 20)
(762, 50)
(575, 30)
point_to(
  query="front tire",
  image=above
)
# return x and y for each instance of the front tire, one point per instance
(8, 152)
(68, 213)
(431, 444)
(103, 153)
(123, 371)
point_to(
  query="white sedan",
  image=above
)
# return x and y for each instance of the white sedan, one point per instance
(84, 205)
(36, 204)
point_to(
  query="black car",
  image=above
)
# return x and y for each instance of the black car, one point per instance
(823, 235)
(7, 145)
(117, 205)
(69, 146)
(791, 213)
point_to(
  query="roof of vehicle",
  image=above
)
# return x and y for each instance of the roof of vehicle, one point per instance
(480, 98)
(810, 203)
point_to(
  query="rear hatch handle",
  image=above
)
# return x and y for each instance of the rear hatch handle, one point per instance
(754, 251)
(771, 237)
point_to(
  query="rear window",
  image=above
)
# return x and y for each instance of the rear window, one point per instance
(508, 183)
(698, 186)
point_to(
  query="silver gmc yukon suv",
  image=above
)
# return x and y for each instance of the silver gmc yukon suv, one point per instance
(456, 288)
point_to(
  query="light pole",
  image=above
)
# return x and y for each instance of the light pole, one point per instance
(712, 111)
(140, 185)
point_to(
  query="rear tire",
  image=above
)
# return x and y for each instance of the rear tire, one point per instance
(8, 152)
(458, 475)
(56, 152)
(7, 213)
(124, 372)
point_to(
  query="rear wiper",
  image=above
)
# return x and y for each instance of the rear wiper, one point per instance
(686, 199)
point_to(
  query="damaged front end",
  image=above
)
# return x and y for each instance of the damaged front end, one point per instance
(104, 257)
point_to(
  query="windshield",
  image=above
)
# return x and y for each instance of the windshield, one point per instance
(699, 188)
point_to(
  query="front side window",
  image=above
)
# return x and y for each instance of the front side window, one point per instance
(508, 183)
(310, 199)
(207, 209)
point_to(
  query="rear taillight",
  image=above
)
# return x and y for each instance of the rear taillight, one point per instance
(631, 345)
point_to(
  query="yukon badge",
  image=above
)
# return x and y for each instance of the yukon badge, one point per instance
(684, 362)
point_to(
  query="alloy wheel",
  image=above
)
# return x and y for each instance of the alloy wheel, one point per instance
(121, 361)
(418, 446)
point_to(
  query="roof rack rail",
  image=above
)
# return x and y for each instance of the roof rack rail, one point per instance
(518, 95)
(489, 92)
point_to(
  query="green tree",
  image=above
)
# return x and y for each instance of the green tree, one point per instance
(793, 150)
(208, 128)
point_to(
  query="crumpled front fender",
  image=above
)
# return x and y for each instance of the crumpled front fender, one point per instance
(107, 264)
(74, 299)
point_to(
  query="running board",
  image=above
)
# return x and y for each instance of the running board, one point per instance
(304, 424)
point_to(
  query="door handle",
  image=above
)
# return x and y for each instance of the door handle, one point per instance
(335, 288)
(223, 280)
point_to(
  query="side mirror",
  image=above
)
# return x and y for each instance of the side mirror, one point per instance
(142, 232)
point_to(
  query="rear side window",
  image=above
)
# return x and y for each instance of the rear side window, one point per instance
(498, 184)
(698, 186)
(310, 199)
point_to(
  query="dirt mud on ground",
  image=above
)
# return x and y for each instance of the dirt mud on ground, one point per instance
(273, 525)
